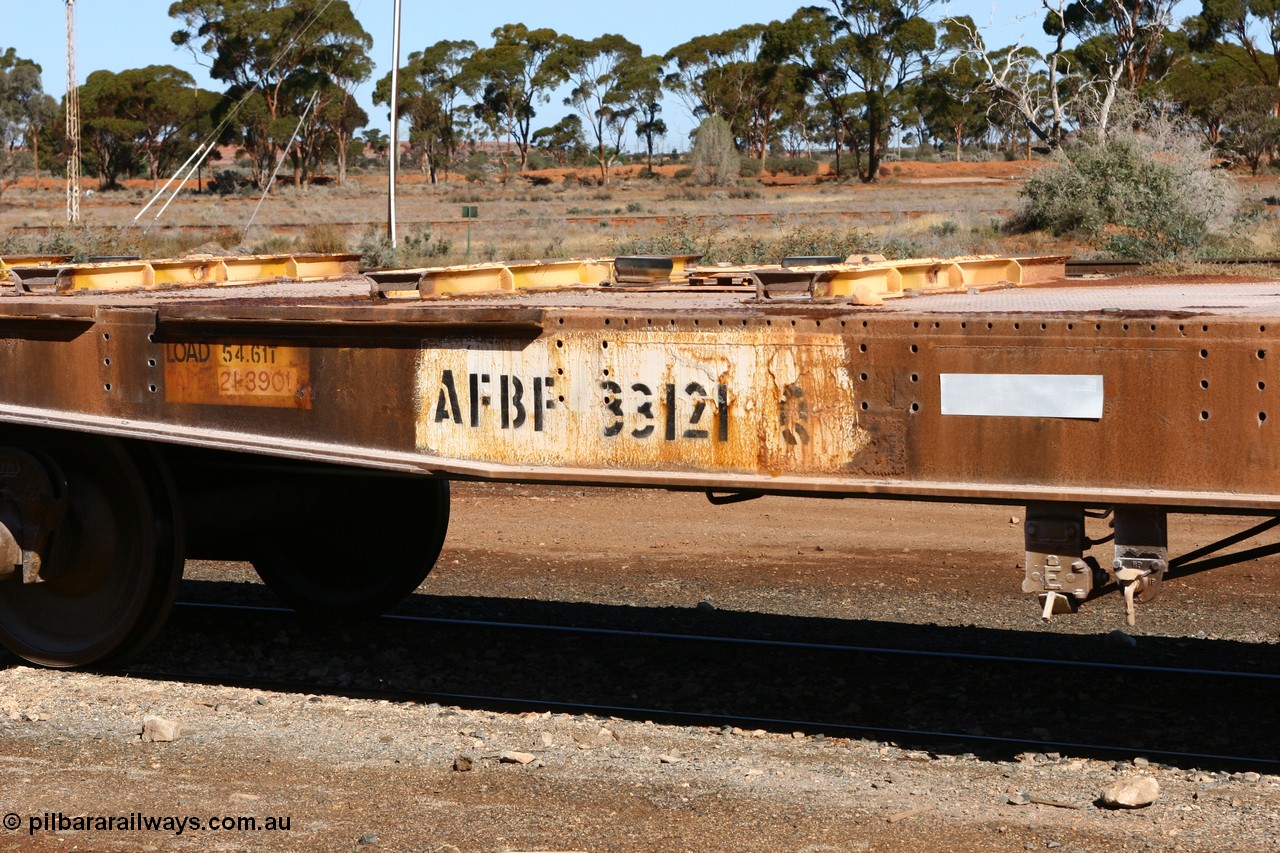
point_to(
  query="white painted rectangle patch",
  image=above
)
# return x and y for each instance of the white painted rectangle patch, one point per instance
(1022, 395)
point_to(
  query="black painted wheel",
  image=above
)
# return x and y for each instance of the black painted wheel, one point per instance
(378, 543)
(114, 561)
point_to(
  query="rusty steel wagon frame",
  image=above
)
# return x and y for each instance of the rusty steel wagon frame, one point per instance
(826, 381)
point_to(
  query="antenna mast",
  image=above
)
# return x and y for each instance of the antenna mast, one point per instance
(393, 160)
(73, 120)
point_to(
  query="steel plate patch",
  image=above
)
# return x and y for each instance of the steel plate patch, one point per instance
(645, 400)
(238, 374)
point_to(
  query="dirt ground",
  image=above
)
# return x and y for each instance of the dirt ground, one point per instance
(350, 771)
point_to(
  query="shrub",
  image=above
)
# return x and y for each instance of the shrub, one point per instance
(274, 245)
(415, 249)
(1149, 196)
(945, 228)
(687, 235)
(801, 167)
(902, 248)
(225, 182)
(325, 239)
(749, 167)
(714, 155)
(798, 166)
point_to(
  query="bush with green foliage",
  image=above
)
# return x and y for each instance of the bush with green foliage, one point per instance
(325, 239)
(749, 167)
(691, 235)
(1149, 196)
(414, 249)
(798, 166)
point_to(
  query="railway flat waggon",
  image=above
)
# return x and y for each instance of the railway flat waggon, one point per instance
(300, 415)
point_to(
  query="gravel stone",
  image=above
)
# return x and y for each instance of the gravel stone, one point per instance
(158, 730)
(1134, 792)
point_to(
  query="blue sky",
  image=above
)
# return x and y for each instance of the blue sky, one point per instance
(119, 34)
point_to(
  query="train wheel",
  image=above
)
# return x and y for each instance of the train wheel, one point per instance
(337, 569)
(113, 563)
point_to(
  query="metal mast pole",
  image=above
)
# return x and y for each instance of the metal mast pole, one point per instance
(73, 120)
(395, 128)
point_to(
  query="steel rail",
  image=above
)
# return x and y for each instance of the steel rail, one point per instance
(702, 718)
(775, 644)
(1080, 266)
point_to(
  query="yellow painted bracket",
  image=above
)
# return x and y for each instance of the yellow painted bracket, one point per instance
(865, 280)
(871, 284)
(869, 280)
(205, 271)
(34, 260)
(499, 278)
(9, 263)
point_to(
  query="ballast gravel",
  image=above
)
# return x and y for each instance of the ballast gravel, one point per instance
(332, 771)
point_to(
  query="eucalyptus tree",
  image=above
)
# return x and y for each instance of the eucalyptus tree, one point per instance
(24, 110)
(341, 67)
(1252, 131)
(650, 125)
(328, 130)
(376, 141)
(274, 54)
(728, 74)
(1117, 43)
(107, 131)
(155, 111)
(1246, 31)
(640, 103)
(514, 75)
(857, 56)
(603, 75)
(562, 140)
(433, 84)
(808, 40)
(951, 102)
(713, 74)
(1038, 88)
(1199, 85)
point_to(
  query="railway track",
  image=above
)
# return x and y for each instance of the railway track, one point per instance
(1081, 267)
(953, 700)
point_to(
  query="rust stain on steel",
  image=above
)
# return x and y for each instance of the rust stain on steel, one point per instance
(643, 400)
(238, 374)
